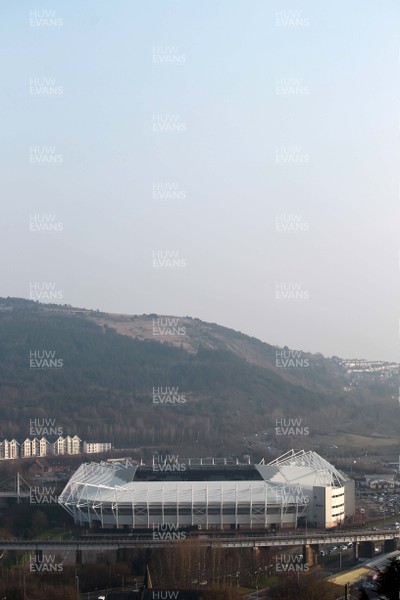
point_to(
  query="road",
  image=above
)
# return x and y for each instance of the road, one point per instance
(248, 541)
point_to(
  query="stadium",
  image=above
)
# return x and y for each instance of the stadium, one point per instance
(298, 487)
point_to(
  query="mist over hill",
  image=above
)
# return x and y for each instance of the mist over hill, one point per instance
(154, 380)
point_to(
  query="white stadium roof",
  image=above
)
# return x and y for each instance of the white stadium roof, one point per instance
(305, 468)
(105, 482)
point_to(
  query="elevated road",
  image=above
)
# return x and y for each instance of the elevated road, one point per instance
(98, 544)
(12, 494)
(313, 538)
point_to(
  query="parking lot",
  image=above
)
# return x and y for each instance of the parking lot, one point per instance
(373, 505)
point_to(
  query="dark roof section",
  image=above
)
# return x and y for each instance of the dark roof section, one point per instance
(182, 472)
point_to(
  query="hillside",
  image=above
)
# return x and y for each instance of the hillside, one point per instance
(113, 375)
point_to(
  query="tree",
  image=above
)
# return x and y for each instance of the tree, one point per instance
(39, 523)
(388, 582)
(308, 587)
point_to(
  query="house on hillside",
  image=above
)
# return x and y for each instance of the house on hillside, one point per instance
(36, 468)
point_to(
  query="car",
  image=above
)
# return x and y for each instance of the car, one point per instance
(349, 544)
(321, 553)
(343, 547)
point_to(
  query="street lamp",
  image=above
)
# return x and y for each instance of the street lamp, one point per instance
(77, 586)
(362, 511)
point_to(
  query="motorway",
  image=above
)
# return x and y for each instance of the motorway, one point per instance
(246, 541)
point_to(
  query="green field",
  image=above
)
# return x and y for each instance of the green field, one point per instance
(346, 440)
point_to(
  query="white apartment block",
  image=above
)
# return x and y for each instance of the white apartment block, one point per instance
(42, 447)
(9, 450)
(96, 447)
(34, 447)
(26, 448)
(68, 445)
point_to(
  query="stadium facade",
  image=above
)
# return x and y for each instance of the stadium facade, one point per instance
(296, 487)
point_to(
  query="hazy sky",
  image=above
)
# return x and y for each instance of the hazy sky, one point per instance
(258, 114)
